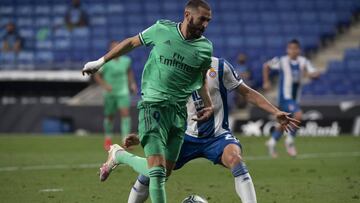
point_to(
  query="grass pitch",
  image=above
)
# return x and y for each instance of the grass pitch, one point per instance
(63, 169)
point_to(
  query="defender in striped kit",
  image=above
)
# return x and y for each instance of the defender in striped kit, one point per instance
(292, 68)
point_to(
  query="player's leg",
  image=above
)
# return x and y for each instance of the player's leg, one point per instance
(290, 138)
(123, 105)
(189, 151)
(289, 106)
(232, 159)
(109, 111)
(271, 143)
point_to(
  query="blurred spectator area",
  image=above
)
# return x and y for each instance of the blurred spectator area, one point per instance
(259, 28)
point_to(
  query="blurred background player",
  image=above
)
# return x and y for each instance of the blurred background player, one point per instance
(213, 139)
(117, 79)
(176, 67)
(76, 16)
(11, 41)
(293, 68)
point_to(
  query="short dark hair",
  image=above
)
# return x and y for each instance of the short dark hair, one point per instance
(195, 4)
(294, 41)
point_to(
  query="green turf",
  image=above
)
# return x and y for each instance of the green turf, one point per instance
(328, 177)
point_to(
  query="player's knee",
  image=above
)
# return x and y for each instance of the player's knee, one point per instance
(233, 159)
(155, 161)
(231, 156)
(124, 112)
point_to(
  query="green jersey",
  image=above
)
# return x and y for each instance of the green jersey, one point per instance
(115, 73)
(175, 65)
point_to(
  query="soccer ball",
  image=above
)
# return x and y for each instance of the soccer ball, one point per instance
(194, 199)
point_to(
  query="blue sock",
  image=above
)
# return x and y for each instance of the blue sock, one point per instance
(276, 134)
(143, 180)
(239, 169)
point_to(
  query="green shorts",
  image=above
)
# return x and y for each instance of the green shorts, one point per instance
(161, 128)
(113, 103)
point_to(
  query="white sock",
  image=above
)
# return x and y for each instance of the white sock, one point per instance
(272, 142)
(289, 139)
(245, 188)
(139, 193)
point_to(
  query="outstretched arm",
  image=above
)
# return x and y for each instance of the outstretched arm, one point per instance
(122, 48)
(260, 101)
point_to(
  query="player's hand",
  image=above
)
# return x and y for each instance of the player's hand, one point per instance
(108, 88)
(131, 140)
(93, 66)
(204, 114)
(133, 88)
(287, 123)
(267, 86)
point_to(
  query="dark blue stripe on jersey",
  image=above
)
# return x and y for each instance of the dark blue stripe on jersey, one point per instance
(206, 128)
(295, 89)
(223, 93)
(281, 87)
(232, 70)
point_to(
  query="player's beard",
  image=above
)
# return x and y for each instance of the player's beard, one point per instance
(194, 30)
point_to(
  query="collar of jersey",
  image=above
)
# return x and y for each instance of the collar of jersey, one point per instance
(182, 36)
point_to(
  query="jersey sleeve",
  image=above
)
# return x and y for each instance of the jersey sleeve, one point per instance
(274, 63)
(231, 78)
(148, 36)
(309, 67)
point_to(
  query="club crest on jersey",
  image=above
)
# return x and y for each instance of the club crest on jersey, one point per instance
(212, 73)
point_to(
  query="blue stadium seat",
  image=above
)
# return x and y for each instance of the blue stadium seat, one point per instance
(96, 9)
(115, 8)
(24, 10)
(44, 57)
(44, 45)
(98, 20)
(7, 10)
(42, 10)
(25, 60)
(351, 54)
(353, 65)
(59, 9)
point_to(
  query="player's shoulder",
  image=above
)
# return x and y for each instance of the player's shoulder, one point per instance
(166, 23)
(302, 58)
(217, 62)
(205, 42)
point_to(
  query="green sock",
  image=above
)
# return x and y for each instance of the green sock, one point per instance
(157, 192)
(108, 127)
(125, 126)
(139, 164)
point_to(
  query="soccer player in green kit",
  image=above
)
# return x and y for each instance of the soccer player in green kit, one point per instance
(116, 78)
(177, 65)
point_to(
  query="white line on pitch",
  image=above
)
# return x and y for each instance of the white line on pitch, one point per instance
(87, 166)
(52, 190)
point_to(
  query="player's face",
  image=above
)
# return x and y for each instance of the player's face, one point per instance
(198, 21)
(293, 50)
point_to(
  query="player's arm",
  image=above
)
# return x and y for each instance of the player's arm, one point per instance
(208, 110)
(271, 64)
(122, 48)
(311, 71)
(99, 80)
(132, 81)
(260, 101)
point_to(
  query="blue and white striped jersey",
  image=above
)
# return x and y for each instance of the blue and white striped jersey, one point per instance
(221, 78)
(291, 74)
